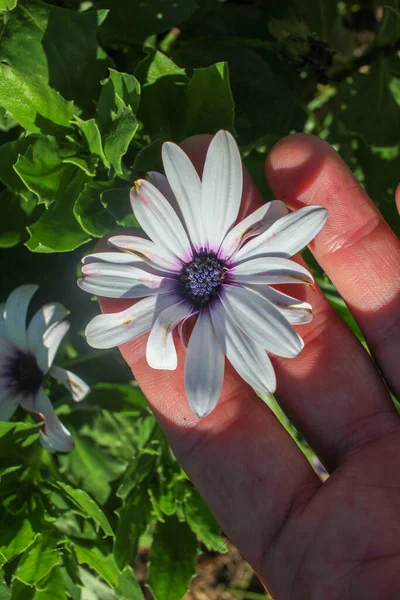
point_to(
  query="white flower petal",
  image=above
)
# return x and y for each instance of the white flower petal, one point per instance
(204, 367)
(270, 270)
(113, 329)
(221, 188)
(261, 321)
(122, 281)
(51, 340)
(113, 257)
(295, 311)
(15, 314)
(186, 186)
(42, 319)
(8, 404)
(55, 437)
(256, 223)
(160, 349)
(288, 235)
(159, 220)
(147, 251)
(161, 183)
(247, 357)
(74, 384)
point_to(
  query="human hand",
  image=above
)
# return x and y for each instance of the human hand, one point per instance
(305, 539)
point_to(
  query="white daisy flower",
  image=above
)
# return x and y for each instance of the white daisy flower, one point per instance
(26, 357)
(199, 262)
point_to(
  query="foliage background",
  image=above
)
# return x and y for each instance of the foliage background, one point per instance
(88, 93)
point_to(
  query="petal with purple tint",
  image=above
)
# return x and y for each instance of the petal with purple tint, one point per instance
(269, 270)
(15, 315)
(288, 235)
(122, 281)
(247, 357)
(204, 367)
(261, 321)
(221, 188)
(186, 185)
(159, 220)
(256, 223)
(8, 403)
(160, 349)
(41, 320)
(52, 338)
(74, 384)
(113, 329)
(147, 251)
(295, 311)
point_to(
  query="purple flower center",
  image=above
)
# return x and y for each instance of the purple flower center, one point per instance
(25, 374)
(201, 278)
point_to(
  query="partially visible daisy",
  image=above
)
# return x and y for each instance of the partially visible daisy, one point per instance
(26, 357)
(198, 262)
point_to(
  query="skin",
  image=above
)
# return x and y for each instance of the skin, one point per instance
(307, 540)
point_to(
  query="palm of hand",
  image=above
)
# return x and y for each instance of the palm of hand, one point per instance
(338, 540)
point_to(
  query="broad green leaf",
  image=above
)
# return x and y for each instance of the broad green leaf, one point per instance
(172, 560)
(139, 468)
(389, 25)
(101, 562)
(202, 522)
(90, 467)
(52, 587)
(57, 46)
(42, 169)
(8, 157)
(58, 230)
(119, 136)
(88, 506)
(128, 587)
(16, 535)
(120, 89)
(149, 159)
(117, 202)
(320, 15)
(32, 103)
(15, 215)
(129, 21)
(39, 560)
(4, 591)
(90, 212)
(133, 518)
(92, 135)
(210, 105)
(163, 79)
(13, 436)
(20, 591)
(7, 5)
(87, 164)
(372, 111)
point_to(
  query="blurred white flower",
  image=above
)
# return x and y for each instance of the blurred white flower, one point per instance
(26, 357)
(198, 261)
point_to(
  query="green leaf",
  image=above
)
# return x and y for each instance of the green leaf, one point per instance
(120, 89)
(101, 562)
(58, 230)
(52, 587)
(133, 519)
(210, 105)
(136, 472)
(92, 134)
(20, 591)
(117, 203)
(32, 103)
(372, 111)
(14, 437)
(8, 157)
(15, 215)
(119, 136)
(39, 560)
(389, 26)
(319, 14)
(202, 522)
(84, 502)
(57, 46)
(7, 5)
(90, 467)
(90, 212)
(16, 535)
(129, 21)
(156, 65)
(172, 560)
(4, 591)
(128, 587)
(149, 158)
